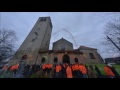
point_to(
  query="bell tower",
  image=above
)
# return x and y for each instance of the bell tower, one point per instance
(38, 39)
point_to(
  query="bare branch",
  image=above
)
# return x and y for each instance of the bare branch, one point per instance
(7, 42)
(112, 29)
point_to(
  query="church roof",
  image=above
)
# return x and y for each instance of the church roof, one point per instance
(86, 48)
(62, 39)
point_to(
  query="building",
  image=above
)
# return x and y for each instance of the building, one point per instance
(91, 55)
(62, 44)
(35, 48)
(85, 55)
(115, 60)
(37, 39)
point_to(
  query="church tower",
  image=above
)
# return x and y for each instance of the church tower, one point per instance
(38, 39)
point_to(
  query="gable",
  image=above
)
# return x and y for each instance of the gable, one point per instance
(62, 40)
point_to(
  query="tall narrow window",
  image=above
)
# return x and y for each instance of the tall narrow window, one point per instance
(92, 56)
(43, 60)
(36, 33)
(55, 60)
(76, 60)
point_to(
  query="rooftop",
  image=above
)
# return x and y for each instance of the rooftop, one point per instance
(86, 48)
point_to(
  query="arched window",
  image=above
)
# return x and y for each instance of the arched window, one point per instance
(92, 56)
(76, 60)
(43, 60)
(66, 59)
(24, 57)
(55, 60)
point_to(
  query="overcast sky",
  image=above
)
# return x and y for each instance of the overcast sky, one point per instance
(85, 28)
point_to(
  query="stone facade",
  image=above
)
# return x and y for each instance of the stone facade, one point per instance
(62, 44)
(82, 55)
(49, 57)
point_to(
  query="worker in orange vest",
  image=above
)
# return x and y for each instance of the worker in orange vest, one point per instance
(76, 70)
(16, 68)
(58, 69)
(49, 66)
(12, 68)
(108, 71)
(69, 72)
(83, 70)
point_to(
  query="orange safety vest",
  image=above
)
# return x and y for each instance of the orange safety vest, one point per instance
(76, 66)
(60, 67)
(108, 71)
(83, 69)
(12, 68)
(16, 66)
(73, 67)
(69, 72)
(50, 66)
(43, 66)
(57, 68)
(46, 65)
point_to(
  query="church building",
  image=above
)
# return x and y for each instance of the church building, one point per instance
(35, 48)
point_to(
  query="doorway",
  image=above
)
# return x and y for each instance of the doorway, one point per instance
(66, 59)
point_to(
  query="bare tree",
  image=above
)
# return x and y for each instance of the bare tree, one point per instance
(7, 43)
(111, 22)
(112, 29)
